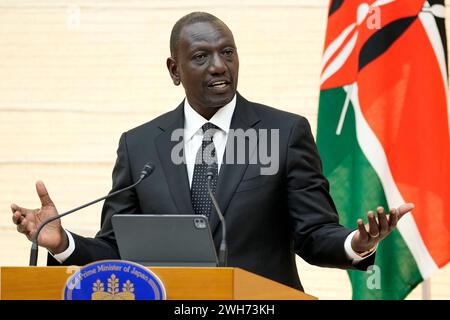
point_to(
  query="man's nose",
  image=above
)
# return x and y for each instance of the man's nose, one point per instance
(217, 65)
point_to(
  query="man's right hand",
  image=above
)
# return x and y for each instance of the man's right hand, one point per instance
(53, 237)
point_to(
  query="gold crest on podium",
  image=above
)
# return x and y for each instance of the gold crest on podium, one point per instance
(113, 293)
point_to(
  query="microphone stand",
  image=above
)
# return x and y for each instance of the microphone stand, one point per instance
(223, 250)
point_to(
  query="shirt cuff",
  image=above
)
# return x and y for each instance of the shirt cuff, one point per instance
(61, 257)
(351, 254)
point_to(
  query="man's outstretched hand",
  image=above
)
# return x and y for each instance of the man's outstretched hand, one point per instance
(52, 236)
(367, 236)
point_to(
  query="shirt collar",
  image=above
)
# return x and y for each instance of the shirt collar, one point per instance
(194, 121)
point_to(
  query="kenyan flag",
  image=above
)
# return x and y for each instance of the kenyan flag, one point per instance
(383, 132)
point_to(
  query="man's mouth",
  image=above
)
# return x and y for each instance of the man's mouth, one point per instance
(218, 84)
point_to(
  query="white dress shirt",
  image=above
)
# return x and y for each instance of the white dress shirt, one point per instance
(193, 133)
(193, 136)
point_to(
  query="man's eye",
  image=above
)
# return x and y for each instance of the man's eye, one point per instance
(200, 57)
(228, 53)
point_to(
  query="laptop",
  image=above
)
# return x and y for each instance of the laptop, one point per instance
(165, 240)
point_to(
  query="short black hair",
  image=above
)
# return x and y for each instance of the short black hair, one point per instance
(189, 19)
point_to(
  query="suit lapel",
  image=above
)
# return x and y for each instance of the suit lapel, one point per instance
(176, 174)
(231, 174)
(244, 117)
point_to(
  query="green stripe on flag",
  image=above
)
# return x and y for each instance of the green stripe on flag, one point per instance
(356, 189)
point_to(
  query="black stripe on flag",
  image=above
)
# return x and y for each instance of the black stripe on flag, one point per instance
(381, 40)
(335, 5)
(441, 2)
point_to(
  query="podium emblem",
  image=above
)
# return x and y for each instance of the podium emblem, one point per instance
(114, 280)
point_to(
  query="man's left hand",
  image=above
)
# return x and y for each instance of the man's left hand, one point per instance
(367, 236)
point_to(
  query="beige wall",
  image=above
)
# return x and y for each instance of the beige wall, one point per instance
(69, 88)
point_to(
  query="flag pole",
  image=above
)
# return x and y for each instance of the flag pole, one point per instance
(426, 290)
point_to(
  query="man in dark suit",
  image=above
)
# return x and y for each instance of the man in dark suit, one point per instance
(270, 217)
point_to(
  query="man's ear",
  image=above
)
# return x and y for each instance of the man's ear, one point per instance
(173, 71)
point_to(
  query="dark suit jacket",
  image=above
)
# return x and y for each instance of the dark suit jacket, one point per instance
(269, 218)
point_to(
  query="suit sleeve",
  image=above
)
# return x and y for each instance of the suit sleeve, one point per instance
(318, 236)
(104, 245)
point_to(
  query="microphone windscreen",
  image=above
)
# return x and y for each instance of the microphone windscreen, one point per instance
(147, 170)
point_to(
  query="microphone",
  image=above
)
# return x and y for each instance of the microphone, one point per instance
(146, 171)
(223, 251)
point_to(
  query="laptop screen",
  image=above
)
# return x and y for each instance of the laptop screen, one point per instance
(165, 240)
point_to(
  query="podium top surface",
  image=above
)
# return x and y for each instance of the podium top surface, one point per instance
(181, 283)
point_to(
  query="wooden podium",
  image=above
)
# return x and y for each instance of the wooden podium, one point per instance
(47, 283)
